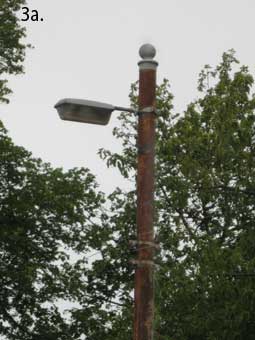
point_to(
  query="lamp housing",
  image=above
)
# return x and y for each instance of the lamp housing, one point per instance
(84, 111)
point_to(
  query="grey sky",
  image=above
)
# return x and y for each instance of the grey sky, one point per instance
(89, 49)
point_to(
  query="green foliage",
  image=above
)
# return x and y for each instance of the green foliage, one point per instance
(45, 217)
(12, 48)
(207, 183)
(106, 304)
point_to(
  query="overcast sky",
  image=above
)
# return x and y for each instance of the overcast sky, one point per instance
(89, 49)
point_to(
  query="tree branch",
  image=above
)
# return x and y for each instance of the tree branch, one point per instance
(184, 221)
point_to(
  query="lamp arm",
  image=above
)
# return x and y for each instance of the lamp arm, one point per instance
(119, 108)
(149, 109)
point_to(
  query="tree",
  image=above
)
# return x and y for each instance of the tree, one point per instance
(45, 219)
(12, 47)
(207, 183)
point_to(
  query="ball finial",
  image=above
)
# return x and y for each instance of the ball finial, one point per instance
(147, 51)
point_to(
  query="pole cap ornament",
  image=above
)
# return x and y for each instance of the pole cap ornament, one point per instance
(147, 52)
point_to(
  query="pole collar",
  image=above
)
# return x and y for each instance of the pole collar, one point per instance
(148, 109)
(147, 53)
(142, 263)
(148, 244)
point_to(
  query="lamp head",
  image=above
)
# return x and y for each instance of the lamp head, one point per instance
(84, 111)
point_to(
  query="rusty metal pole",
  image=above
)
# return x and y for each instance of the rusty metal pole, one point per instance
(144, 282)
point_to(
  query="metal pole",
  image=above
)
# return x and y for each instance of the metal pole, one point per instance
(144, 283)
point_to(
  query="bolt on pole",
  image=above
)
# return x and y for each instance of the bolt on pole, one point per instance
(144, 273)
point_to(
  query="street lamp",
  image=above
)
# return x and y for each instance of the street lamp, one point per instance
(86, 111)
(93, 112)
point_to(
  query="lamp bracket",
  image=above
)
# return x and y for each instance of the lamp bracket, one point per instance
(142, 263)
(145, 110)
